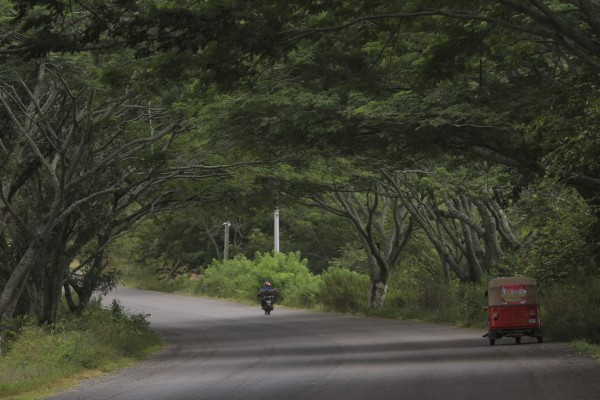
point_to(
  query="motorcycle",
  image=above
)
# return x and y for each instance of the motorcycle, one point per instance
(267, 301)
(267, 304)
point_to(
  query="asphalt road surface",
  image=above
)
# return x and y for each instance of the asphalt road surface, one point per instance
(220, 350)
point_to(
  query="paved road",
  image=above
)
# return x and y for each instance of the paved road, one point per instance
(225, 351)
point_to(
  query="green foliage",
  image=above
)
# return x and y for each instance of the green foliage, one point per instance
(100, 338)
(555, 249)
(336, 289)
(376, 91)
(352, 257)
(171, 242)
(232, 279)
(413, 295)
(241, 278)
(587, 348)
(343, 290)
(572, 310)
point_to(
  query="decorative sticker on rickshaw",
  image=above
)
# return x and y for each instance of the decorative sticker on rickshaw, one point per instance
(513, 294)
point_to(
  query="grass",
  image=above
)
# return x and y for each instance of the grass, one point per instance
(587, 348)
(38, 361)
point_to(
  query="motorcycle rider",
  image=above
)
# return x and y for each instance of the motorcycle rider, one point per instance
(265, 291)
(267, 287)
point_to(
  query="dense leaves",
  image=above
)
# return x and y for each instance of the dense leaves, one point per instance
(464, 121)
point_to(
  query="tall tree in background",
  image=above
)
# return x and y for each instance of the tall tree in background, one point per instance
(464, 222)
(513, 83)
(472, 75)
(383, 225)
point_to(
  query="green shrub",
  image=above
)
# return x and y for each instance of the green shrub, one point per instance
(301, 289)
(241, 278)
(143, 277)
(572, 311)
(99, 338)
(229, 279)
(467, 304)
(191, 284)
(343, 290)
(430, 298)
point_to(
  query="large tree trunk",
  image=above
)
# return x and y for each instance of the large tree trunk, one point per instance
(212, 239)
(493, 252)
(466, 243)
(88, 284)
(592, 198)
(57, 261)
(18, 279)
(471, 239)
(51, 298)
(73, 307)
(379, 275)
(377, 293)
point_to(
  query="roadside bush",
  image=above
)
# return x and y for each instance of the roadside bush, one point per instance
(467, 305)
(230, 279)
(343, 290)
(189, 283)
(430, 298)
(572, 311)
(100, 338)
(241, 278)
(143, 277)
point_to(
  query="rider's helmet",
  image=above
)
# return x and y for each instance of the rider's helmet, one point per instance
(267, 284)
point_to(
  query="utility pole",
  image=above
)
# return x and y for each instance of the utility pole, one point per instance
(276, 230)
(226, 241)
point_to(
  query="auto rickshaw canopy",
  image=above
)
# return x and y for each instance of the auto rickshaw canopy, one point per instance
(512, 291)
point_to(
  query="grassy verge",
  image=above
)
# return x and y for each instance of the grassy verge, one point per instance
(587, 348)
(38, 361)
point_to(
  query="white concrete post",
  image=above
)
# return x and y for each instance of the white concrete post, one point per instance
(226, 241)
(276, 230)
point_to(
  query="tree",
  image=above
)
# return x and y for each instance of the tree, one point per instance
(510, 82)
(464, 222)
(556, 251)
(475, 54)
(83, 167)
(371, 212)
(513, 83)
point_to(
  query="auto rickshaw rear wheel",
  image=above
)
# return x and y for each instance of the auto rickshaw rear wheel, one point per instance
(492, 342)
(540, 339)
(518, 339)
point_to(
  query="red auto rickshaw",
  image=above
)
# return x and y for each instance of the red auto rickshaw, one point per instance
(513, 309)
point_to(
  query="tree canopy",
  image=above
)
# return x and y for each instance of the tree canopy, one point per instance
(442, 118)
